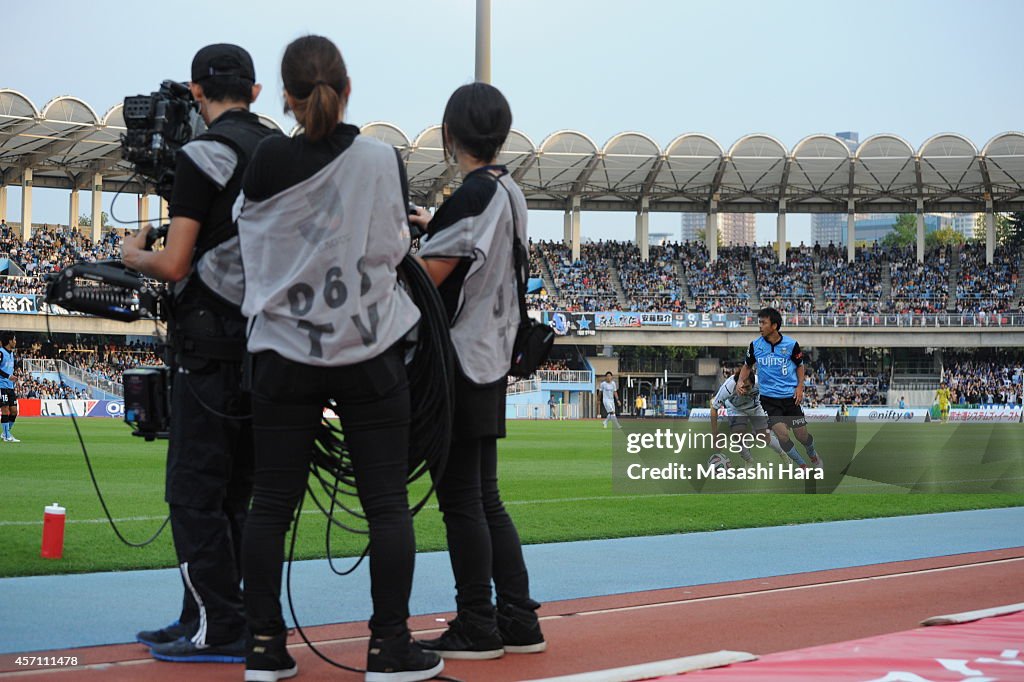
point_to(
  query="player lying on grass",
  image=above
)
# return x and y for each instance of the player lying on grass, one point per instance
(744, 411)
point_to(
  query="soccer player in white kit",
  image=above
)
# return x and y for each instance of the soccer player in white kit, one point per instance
(609, 396)
(743, 410)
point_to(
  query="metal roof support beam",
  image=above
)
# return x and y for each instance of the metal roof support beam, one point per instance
(851, 230)
(143, 209)
(575, 235)
(97, 207)
(3, 203)
(67, 141)
(711, 230)
(985, 179)
(26, 204)
(780, 231)
(652, 176)
(643, 238)
(584, 177)
(920, 230)
(990, 232)
(525, 166)
(73, 209)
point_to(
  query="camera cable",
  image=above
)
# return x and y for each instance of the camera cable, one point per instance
(88, 463)
(430, 367)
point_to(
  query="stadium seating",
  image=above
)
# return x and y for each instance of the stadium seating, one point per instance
(679, 277)
(992, 378)
(985, 288)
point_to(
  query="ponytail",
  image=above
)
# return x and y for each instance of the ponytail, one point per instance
(314, 75)
(319, 112)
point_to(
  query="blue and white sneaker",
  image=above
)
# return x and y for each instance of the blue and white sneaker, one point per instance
(184, 650)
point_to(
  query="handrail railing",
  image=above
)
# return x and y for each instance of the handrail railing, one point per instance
(658, 365)
(573, 376)
(523, 386)
(76, 373)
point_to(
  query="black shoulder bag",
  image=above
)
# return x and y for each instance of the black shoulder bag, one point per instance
(533, 339)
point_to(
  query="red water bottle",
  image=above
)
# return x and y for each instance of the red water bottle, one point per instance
(53, 532)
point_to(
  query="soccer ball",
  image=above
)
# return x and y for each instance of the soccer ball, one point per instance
(719, 461)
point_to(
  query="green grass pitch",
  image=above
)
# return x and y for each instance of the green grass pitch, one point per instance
(556, 479)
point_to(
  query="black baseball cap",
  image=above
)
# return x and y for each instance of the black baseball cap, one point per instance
(222, 59)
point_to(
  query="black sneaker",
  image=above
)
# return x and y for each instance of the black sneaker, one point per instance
(469, 636)
(520, 630)
(399, 660)
(170, 633)
(184, 650)
(267, 660)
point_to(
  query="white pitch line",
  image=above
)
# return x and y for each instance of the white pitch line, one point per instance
(596, 612)
(740, 595)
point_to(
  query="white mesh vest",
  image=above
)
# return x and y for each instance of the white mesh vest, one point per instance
(487, 317)
(320, 259)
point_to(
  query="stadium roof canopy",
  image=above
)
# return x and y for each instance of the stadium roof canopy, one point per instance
(66, 143)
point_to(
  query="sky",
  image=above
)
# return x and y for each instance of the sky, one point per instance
(788, 68)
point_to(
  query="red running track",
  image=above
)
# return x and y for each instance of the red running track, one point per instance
(759, 616)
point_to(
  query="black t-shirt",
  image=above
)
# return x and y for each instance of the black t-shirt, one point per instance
(282, 162)
(194, 192)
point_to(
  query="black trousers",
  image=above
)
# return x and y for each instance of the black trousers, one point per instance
(373, 404)
(483, 543)
(209, 482)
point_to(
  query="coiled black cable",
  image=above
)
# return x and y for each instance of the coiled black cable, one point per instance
(430, 364)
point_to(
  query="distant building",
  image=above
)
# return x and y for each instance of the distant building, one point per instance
(831, 227)
(736, 229)
(965, 223)
(828, 228)
(874, 227)
(851, 139)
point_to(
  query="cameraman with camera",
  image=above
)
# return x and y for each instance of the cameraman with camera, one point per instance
(210, 456)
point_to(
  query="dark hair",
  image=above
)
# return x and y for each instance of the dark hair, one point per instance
(772, 315)
(5, 338)
(607, 373)
(227, 89)
(477, 118)
(314, 75)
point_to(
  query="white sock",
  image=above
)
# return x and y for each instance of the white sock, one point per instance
(774, 444)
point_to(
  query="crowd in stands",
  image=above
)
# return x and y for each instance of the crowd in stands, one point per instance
(53, 248)
(919, 287)
(848, 387)
(106, 361)
(674, 274)
(586, 285)
(851, 288)
(788, 287)
(652, 285)
(985, 288)
(722, 286)
(994, 378)
(27, 386)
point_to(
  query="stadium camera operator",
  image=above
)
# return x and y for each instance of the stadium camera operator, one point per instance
(210, 456)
